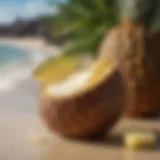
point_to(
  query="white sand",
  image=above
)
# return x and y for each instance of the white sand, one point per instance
(36, 44)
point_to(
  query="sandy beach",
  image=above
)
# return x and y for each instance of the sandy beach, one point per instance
(32, 43)
(24, 137)
(19, 103)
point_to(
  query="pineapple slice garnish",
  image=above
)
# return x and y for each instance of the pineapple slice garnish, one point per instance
(99, 69)
(135, 140)
(56, 69)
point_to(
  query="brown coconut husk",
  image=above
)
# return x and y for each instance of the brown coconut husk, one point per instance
(88, 112)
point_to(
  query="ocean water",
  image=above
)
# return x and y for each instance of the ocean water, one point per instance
(17, 64)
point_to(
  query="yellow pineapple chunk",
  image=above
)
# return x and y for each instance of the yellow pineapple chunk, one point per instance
(139, 140)
(99, 70)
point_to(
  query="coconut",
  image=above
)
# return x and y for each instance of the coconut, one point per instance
(71, 84)
(76, 108)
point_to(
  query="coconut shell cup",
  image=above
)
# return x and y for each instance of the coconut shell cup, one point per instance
(86, 113)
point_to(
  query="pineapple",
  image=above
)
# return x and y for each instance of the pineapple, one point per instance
(136, 48)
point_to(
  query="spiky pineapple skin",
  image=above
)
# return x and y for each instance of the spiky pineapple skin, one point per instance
(139, 57)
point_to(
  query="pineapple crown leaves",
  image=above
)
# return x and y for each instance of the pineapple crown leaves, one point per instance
(144, 11)
(87, 20)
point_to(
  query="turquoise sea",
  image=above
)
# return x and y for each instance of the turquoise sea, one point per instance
(17, 64)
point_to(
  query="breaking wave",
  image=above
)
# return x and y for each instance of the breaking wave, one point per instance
(17, 64)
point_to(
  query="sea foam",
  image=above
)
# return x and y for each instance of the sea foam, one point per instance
(16, 71)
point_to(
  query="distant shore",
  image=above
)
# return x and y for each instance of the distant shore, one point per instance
(32, 43)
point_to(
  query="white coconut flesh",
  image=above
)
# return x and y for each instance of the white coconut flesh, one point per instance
(70, 85)
(78, 81)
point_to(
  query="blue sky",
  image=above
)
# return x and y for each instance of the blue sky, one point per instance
(10, 9)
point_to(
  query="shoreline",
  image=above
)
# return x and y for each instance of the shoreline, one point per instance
(33, 43)
(22, 97)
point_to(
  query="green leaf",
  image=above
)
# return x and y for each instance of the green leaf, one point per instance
(87, 21)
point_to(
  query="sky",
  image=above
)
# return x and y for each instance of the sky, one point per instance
(10, 9)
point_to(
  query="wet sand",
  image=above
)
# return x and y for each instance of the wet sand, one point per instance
(23, 98)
